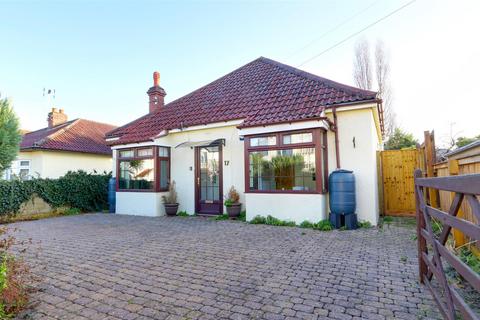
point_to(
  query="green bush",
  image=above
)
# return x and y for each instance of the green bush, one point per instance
(306, 224)
(258, 220)
(277, 222)
(222, 217)
(242, 216)
(364, 224)
(272, 221)
(85, 191)
(183, 214)
(323, 225)
(72, 211)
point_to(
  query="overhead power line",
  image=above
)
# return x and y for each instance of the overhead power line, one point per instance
(332, 29)
(356, 33)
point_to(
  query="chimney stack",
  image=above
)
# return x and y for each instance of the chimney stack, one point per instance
(56, 117)
(156, 94)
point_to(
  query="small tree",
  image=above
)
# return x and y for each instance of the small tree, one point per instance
(362, 66)
(400, 140)
(382, 73)
(10, 136)
(463, 141)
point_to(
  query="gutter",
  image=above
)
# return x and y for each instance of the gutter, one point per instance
(335, 130)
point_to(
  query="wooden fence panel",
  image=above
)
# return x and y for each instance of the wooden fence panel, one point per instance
(432, 250)
(464, 166)
(398, 181)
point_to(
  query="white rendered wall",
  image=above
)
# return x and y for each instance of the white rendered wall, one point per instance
(53, 164)
(183, 167)
(361, 158)
(183, 162)
(292, 207)
(140, 203)
(358, 123)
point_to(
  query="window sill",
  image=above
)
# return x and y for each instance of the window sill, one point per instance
(136, 190)
(285, 192)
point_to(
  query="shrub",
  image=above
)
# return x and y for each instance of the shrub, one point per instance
(87, 192)
(15, 278)
(258, 220)
(323, 225)
(306, 224)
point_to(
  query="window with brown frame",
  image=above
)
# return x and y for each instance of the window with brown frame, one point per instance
(286, 162)
(143, 169)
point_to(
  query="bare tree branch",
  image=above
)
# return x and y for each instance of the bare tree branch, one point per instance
(362, 69)
(382, 73)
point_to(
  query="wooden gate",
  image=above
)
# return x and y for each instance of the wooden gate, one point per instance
(433, 253)
(398, 181)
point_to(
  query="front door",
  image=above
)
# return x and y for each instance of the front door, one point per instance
(208, 180)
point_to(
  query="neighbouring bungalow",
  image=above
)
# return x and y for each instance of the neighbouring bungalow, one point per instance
(61, 147)
(236, 131)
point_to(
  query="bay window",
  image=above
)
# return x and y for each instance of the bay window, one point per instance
(143, 169)
(291, 162)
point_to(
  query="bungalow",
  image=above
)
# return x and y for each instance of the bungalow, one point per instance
(61, 147)
(233, 130)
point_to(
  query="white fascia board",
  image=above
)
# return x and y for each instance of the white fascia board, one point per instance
(112, 139)
(352, 107)
(209, 126)
(311, 124)
(139, 144)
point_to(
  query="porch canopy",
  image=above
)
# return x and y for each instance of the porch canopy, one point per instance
(206, 143)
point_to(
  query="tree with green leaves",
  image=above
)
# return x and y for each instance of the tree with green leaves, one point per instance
(463, 141)
(400, 140)
(10, 135)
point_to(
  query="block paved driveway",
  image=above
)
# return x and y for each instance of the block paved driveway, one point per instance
(101, 266)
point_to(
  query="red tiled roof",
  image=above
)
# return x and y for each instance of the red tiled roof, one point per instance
(262, 92)
(78, 135)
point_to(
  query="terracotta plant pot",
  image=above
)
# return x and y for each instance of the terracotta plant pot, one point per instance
(234, 210)
(171, 209)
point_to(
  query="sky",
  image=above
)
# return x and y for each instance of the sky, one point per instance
(99, 56)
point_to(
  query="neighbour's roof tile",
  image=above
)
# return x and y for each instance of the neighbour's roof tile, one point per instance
(78, 135)
(262, 92)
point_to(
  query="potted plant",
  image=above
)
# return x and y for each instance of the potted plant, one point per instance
(232, 203)
(170, 201)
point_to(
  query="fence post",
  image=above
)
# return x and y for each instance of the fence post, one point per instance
(430, 159)
(422, 243)
(454, 170)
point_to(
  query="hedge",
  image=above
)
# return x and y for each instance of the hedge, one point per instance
(85, 191)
